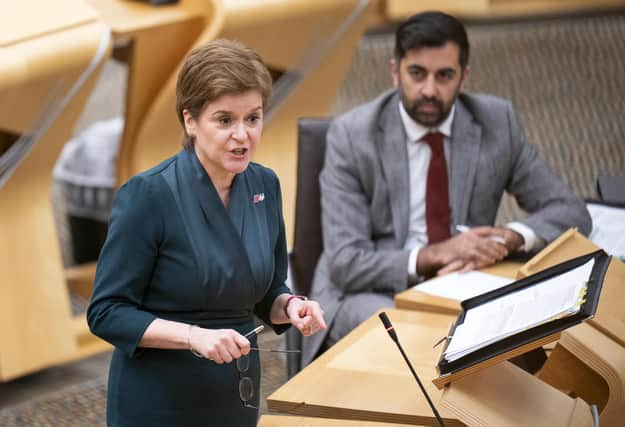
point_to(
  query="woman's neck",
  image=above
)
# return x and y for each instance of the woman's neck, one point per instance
(221, 179)
(222, 184)
(224, 194)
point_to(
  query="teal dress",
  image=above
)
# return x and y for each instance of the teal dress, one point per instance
(175, 252)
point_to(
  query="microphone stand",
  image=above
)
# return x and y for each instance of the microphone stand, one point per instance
(391, 331)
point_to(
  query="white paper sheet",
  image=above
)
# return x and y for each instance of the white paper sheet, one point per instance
(608, 228)
(462, 286)
(505, 316)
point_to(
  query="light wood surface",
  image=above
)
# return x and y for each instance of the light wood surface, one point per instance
(594, 370)
(159, 37)
(489, 398)
(37, 328)
(39, 22)
(412, 299)
(30, 68)
(395, 10)
(80, 279)
(589, 360)
(128, 18)
(610, 316)
(290, 421)
(363, 377)
(443, 380)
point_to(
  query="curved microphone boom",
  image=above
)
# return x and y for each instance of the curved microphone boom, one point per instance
(391, 332)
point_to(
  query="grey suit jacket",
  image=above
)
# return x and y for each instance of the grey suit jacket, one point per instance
(365, 187)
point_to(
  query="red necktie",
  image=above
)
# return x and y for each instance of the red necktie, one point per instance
(436, 191)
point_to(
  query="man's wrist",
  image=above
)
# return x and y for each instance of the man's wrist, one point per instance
(428, 260)
(514, 240)
(530, 239)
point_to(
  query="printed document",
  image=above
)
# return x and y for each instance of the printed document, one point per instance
(559, 296)
(462, 286)
(608, 228)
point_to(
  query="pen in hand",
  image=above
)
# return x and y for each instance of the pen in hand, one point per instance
(464, 228)
(257, 330)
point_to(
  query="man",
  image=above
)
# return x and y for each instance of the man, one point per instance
(404, 172)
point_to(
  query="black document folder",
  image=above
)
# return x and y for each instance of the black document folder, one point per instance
(532, 337)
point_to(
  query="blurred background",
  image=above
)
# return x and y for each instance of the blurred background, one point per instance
(87, 100)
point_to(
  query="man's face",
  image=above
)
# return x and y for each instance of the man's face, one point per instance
(429, 80)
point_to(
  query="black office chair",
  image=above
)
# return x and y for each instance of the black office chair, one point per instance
(611, 189)
(307, 238)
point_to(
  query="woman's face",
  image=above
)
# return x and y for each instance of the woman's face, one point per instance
(226, 134)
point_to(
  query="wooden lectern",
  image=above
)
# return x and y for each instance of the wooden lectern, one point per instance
(363, 377)
(290, 421)
(589, 359)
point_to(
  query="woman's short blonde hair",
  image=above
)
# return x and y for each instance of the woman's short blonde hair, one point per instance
(220, 67)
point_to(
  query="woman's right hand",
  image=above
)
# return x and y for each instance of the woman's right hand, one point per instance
(218, 345)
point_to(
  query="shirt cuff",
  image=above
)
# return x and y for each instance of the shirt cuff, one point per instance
(413, 277)
(531, 241)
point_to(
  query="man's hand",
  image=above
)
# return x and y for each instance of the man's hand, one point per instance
(513, 240)
(476, 248)
(501, 236)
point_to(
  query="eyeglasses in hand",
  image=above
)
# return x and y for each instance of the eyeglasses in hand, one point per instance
(246, 384)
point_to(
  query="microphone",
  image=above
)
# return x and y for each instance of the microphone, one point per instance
(391, 331)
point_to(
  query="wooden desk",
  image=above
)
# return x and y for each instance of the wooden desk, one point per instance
(363, 377)
(589, 360)
(506, 396)
(588, 364)
(610, 317)
(414, 300)
(290, 421)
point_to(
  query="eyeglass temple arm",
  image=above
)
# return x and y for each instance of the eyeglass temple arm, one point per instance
(274, 350)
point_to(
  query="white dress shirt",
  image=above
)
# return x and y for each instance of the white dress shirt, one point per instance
(419, 154)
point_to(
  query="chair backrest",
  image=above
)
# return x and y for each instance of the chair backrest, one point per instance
(307, 237)
(611, 189)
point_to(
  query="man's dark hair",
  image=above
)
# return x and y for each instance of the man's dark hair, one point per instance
(431, 29)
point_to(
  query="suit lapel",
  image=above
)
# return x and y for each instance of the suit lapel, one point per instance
(464, 155)
(391, 140)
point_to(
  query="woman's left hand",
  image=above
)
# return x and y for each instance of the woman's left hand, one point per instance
(306, 316)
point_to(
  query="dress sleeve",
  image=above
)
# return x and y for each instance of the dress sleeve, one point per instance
(280, 256)
(125, 266)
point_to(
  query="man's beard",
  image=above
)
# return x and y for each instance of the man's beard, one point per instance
(427, 119)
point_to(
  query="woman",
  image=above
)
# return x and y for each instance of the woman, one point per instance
(196, 247)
